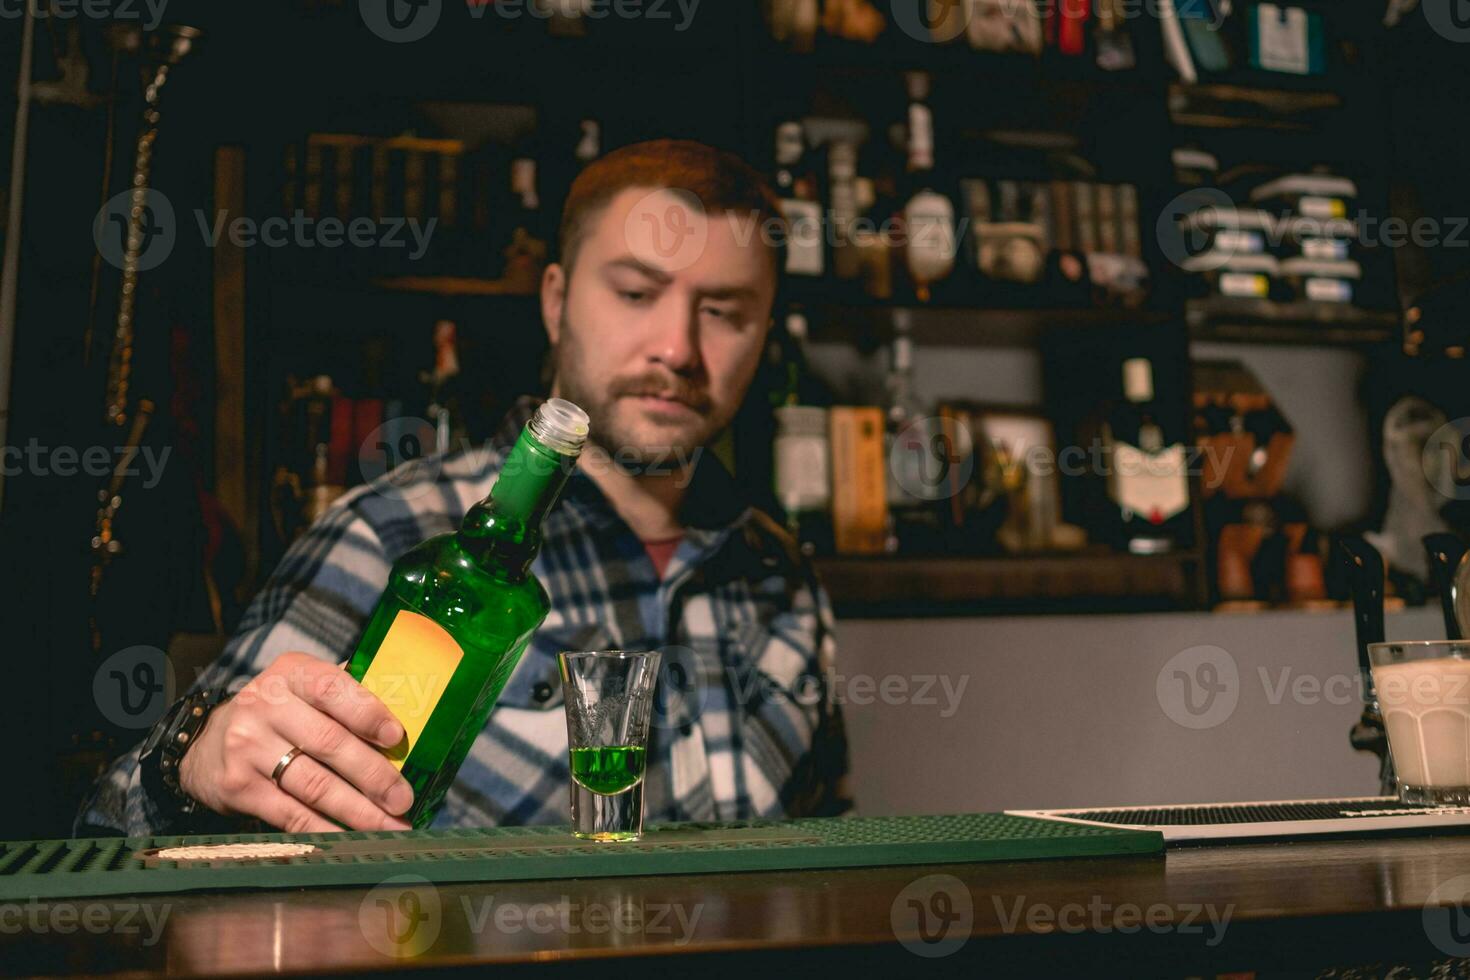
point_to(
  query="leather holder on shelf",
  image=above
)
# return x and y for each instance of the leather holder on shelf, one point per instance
(1228, 465)
(1238, 546)
(1306, 580)
(1011, 251)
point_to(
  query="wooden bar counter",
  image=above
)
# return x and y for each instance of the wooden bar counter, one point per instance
(1299, 907)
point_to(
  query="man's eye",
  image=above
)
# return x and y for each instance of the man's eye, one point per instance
(722, 314)
(633, 295)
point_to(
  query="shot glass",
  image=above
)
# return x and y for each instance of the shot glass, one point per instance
(1423, 691)
(608, 697)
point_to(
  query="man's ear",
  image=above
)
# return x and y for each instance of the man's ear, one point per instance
(553, 299)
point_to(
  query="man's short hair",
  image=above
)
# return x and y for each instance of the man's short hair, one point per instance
(721, 181)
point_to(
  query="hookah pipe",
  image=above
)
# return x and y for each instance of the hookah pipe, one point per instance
(163, 51)
(1364, 567)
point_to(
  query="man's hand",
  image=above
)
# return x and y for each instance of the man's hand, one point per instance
(303, 702)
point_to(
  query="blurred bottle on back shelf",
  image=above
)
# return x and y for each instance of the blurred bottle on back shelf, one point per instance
(798, 182)
(928, 208)
(801, 468)
(444, 409)
(1147, 469)
(914, 473)
(589, 142)
(794, 22)
(309, 473)
(875, 192)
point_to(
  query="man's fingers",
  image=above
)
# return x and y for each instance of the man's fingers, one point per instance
(281, 810)
(333, 691)
(324, 792)
(321, 737)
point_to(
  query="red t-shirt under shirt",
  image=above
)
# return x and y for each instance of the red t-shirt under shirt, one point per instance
(662, 552)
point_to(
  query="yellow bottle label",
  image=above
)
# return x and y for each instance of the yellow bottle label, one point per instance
(410, 673)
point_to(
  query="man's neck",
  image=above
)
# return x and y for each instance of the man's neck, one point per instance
(648, 503)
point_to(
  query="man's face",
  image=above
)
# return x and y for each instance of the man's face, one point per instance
(661, 326)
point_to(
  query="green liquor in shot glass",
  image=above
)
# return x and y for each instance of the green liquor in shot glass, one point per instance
(609, 698)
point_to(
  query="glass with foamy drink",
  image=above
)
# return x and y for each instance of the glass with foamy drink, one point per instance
(1424, 694)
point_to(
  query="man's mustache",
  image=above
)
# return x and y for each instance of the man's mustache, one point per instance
(655, 385)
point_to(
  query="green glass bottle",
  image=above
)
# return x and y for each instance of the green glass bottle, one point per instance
(460, 608)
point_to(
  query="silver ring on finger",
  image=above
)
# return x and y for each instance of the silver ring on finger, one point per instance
(281, 766)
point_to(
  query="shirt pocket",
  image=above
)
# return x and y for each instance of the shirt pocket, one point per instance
(535, 685)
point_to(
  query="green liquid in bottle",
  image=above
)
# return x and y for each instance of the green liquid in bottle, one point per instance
(608, 769)
(474, 586)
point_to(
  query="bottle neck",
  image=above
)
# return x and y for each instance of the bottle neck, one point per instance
(503, 531)
(920, 139)
(523, 182)
(902, 401)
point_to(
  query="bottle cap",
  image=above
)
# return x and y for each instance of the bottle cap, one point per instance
(523, 181)
(788, 143)
(560, 426)
(903, 352)
(1138, 379)
(921, 137)
(446, 355)
(589, 145)
(916, 84)
(842, 159)
(796, 325)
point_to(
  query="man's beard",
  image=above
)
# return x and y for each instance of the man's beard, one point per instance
(618, 438)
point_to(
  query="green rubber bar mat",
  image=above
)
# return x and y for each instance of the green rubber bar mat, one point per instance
(128, 866)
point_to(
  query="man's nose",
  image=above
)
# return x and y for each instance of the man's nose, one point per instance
(675, 343)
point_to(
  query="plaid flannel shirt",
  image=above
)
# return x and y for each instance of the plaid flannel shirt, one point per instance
(745, 723)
